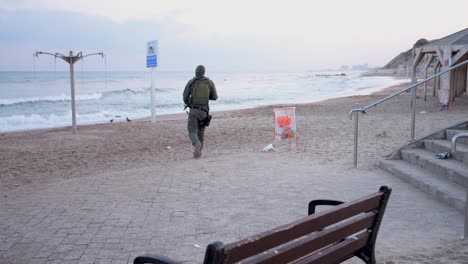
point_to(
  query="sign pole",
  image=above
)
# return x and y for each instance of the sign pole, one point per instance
(153, 99)
(152, 62)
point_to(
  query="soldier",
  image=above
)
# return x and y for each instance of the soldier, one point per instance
(197, 93)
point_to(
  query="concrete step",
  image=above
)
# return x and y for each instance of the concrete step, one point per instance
(442, 190)
(444, 169)
(440, 145)
(452, 132)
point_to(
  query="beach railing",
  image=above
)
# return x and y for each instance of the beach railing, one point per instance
(412, 87)
(453, 149)
(454, 141)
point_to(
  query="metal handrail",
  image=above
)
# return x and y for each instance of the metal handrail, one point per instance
(412, 87)
(454, 141)
(453, 149)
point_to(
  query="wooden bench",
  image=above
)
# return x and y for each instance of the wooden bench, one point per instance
(334, 235)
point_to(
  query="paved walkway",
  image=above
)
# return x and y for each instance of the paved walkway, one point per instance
(115, 216)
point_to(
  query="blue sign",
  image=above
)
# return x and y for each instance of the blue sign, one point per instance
(151, 61)
(151, 54)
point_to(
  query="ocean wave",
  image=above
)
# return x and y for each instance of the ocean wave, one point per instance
(81, 97)
(57, 98)
(35, 121)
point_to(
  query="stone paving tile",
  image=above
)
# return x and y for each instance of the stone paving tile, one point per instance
(21, 252)
(72, 261)
(54, 241)
(87, 259)
(45, 251)
(75, 252)
(71, 239)
(38, 261)
(7, 243)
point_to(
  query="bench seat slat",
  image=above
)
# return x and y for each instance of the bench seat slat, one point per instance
(315, 241)
(255, 244)
(337, 253)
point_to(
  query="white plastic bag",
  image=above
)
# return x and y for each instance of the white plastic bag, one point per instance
(268, 148)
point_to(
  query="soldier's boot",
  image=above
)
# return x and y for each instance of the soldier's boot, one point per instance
(197, 151)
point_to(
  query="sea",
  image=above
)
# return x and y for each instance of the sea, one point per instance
(36, 100)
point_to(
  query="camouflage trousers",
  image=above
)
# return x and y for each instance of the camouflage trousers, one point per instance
(196, 133)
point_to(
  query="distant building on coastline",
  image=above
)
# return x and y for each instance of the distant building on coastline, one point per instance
(359, 67)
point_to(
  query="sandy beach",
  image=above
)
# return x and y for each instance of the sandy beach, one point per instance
(117, 190)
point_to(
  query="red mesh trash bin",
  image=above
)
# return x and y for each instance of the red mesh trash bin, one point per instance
(285, 124)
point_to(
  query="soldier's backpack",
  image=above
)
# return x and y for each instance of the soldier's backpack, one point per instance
(200, 93)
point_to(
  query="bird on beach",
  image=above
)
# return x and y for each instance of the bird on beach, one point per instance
(128, 119)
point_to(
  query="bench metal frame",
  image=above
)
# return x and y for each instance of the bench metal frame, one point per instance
(346, 230)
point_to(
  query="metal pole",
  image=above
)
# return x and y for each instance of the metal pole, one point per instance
(413, 117)
(153, 99)
(465, 237)
(436, 66)
(426, 66)
(413, 102)
(72, 80)
(413, 99)
(438, 77)
(356, 123)
(425, 89)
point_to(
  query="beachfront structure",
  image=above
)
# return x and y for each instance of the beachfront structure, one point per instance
(442, 54)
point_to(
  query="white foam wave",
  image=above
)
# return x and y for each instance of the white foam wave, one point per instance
(35, 121)
(56, 98)
(81, 97)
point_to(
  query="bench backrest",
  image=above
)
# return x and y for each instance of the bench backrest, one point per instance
(334, 235)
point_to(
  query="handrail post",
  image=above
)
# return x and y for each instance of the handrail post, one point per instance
(465, 237)
(454, 141)
(436, 71)
(413, 117)
(413, 88)
(356, 124)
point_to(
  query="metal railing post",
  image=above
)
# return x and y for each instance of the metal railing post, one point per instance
(413, 117)
(356, 129)
(454, 141)
(465, 237)
(413, 88)
(425, 87)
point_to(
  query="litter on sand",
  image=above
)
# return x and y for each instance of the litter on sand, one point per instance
(443, 155)
(268, 148)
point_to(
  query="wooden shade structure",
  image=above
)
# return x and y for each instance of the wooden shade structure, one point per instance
(441, 54)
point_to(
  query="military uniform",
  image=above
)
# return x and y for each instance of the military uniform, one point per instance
(199, 107)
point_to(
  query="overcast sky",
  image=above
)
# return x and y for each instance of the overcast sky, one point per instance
(235, 35)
